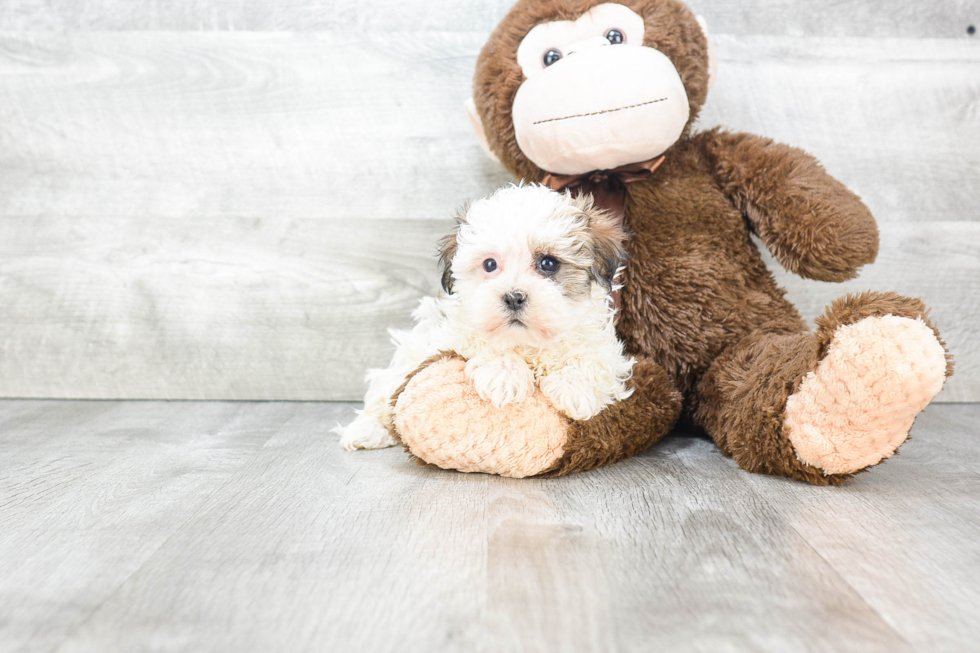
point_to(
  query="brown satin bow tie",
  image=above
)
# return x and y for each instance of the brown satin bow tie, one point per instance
(608, 187)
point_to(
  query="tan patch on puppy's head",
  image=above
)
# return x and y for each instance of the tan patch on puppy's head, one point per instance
(593, 252)
(605, 237)
(574, 276)
(447, 249)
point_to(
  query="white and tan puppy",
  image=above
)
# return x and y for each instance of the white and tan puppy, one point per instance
(527, 277)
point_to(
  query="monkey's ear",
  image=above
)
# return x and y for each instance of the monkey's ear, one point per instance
(608, 249)
(447, 250)
(478, 130)
(712, 57)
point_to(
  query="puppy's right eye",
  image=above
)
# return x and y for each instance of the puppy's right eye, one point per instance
(489, 265)
(549, 264)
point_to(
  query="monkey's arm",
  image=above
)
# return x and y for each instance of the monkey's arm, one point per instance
(810, 222)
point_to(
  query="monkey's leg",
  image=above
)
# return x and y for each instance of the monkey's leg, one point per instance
(441, 420)
(822, 406)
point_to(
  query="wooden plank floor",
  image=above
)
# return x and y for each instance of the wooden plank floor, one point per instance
(130, 526)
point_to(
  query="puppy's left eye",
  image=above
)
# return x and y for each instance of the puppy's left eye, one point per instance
(489, 265)
(549, 264)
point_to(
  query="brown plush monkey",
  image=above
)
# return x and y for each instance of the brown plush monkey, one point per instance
(600, 97)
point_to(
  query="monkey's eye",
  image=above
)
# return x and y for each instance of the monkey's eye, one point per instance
(551, 56)
(489, 265)
(549, 264)
(615, 37)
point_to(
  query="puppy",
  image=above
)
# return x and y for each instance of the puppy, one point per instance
(527, 277)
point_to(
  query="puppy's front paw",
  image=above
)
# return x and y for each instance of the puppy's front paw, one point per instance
(365, 432)
(501, 381)
(572, 393)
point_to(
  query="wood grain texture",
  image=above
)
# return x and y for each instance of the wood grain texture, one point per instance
(897, 120)
(931, 489)
(348, 126)
(243, 527)
(206, 308)
(90, 491)
(946, 18)
(250, 125)
(298, 309)
(241, 216)
(638, 558)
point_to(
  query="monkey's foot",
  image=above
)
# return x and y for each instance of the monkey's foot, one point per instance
(856, 408)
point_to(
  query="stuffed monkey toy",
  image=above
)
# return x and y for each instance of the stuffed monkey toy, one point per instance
(600, 98)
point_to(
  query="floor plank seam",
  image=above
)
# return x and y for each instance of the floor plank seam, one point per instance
(765, 500)
(883, 618)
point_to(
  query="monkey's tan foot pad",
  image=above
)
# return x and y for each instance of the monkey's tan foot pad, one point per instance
(443, 421)
(856, 408)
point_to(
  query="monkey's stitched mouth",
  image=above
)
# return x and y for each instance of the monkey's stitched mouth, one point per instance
(596, 113)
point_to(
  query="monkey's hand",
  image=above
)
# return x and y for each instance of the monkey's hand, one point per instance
(442, 420)
(811, 223)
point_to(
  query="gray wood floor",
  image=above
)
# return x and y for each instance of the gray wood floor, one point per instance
(129, 526)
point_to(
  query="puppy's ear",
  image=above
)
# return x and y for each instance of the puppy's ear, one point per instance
(608, 249)
(447, 250)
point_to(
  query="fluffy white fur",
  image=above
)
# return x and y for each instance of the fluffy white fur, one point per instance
(562, 341)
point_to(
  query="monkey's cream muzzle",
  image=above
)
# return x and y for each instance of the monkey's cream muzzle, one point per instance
(600, 107)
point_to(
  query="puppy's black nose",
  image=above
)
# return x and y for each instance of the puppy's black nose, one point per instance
(515, 300)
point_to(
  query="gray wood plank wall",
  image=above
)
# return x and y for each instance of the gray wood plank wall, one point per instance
(939, 18)
(188, 210)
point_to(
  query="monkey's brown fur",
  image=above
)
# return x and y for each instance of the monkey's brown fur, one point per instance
(713, 334)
